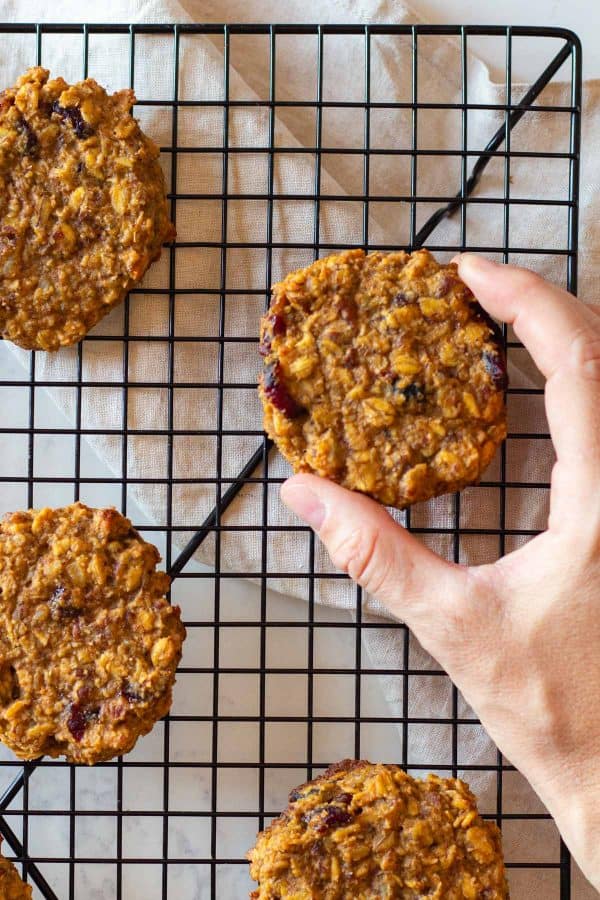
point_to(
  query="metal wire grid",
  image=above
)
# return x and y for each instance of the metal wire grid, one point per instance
(16, 802)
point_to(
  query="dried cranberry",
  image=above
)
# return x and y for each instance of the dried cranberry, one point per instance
(348, 310)
(79, 719)
(495, 366)
(264, 348)
(76, 722)
(278, 328)
(72, 114)
(278, 394)
(278, 324)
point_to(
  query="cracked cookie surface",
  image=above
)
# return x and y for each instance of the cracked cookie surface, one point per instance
(362, 831)
(383, 373)
(12, 887)
(89, 644)
(83, 210)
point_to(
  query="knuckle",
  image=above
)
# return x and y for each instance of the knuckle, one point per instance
(465, 619)
(343, 549)
(358, 554)
(585, 353)
(531, 282)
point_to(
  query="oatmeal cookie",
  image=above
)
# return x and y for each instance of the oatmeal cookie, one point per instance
(83, 211)
(88, 642)
(361, 831)
(383, 373)
(11, 885)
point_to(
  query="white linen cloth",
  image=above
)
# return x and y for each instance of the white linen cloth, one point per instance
(197, 315)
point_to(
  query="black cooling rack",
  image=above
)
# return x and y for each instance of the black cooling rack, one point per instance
(210, 863)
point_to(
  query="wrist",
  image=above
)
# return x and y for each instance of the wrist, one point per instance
(574, 803)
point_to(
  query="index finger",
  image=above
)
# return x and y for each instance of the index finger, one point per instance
(556, 328)
(563, 337)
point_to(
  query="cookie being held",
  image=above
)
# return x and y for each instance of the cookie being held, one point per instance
(89, 644)
(83, 210)
(370, 830)
(383, 373)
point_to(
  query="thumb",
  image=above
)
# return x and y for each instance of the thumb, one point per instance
(365, 542)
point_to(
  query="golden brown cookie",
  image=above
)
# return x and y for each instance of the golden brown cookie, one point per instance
(11, 885)
(83, 211)
(89, 644)
(383, 373)
(364, 830)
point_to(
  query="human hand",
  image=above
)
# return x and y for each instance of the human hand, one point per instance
(520, 638)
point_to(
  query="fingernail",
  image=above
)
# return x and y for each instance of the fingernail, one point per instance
(304, 502)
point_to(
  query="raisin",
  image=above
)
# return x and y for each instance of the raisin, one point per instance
(129, 692)
(61, 604)
(31, 143)
(401, 299)
(301, 792)
(10, 689)
(334, 817)
(344, 798)
(278, 394)
(496, 369)
(72, 114)
(79, 719)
